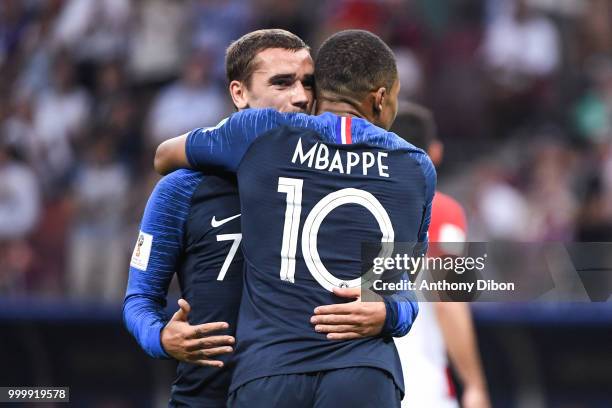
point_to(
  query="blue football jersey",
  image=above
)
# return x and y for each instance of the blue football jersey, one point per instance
(190, 227)
(312, 190)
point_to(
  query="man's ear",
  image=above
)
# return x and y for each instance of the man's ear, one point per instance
(378, 100)
(238, 92)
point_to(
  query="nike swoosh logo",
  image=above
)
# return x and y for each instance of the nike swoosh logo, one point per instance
(214, 223)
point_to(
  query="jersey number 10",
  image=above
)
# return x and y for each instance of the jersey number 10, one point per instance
(293, 189)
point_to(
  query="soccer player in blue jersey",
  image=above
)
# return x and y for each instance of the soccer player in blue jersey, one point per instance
(312, 189)
(191, 226)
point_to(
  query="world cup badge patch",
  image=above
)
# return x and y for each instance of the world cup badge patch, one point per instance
(142, 251)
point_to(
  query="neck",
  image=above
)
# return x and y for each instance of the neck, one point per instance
(338, 108)
(341, 106)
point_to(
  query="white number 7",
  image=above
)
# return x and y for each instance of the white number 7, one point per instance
(232, 252)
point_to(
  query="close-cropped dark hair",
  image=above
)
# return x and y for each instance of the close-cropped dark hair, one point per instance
(353, 63)
(240, 55)
(415, 124)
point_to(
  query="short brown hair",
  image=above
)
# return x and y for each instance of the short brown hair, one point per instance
(240, 54)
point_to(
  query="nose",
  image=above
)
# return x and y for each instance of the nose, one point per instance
(300, 97)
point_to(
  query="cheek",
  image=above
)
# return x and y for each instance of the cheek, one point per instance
(274, 98)
(261, 98)
(281, 100)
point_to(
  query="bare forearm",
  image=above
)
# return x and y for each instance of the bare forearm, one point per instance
(170, 155)
(458, 331)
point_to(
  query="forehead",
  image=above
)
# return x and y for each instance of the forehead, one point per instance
(278, 60)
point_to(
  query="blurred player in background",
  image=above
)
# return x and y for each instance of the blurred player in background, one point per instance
(443, 326)
(293, 171)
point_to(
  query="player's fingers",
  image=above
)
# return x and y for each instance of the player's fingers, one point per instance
(215, 351)
(209, 342)
(341, 308)
(351, 293)
(335, 319)
(205, 329)
(207, 353)
(178, 316)
(185, 306)
(208, 363)
(344, 336)
(334, 328)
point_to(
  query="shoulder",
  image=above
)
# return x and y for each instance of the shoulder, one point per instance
(249, 122)
(170, 203)
(178, 185)
(368, 133)
(252, 116)
(272, 118)
(427, 166)
(392, 141)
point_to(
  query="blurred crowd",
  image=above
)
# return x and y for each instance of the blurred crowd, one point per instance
(521, 91)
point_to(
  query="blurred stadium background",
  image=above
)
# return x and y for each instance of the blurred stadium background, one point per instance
(522, 96)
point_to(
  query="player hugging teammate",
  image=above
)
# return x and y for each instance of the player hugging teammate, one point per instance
(267, 227)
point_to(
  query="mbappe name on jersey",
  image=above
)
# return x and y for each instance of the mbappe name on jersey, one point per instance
(322, 157)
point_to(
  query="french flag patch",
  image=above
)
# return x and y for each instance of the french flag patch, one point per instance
(343, 130)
